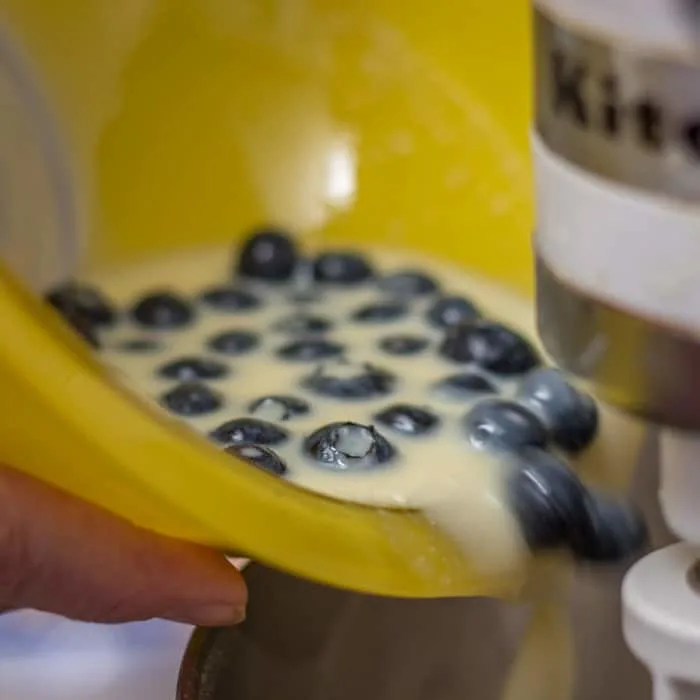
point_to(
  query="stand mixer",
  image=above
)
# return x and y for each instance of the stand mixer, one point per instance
(616, 150)
(614, 157)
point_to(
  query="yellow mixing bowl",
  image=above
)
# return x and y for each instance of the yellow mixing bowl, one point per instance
(142, 126)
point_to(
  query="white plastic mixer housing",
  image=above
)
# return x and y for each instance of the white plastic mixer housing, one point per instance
(616, 148)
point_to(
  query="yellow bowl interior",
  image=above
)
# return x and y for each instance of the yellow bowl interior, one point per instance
(188, 123)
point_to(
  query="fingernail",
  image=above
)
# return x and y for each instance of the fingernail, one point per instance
(217, 615)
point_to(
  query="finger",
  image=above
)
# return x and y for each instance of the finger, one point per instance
(61, 555)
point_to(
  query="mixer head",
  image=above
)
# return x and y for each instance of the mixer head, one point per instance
(617, 161)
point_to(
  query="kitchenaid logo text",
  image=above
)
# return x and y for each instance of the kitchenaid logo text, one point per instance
(594, 101)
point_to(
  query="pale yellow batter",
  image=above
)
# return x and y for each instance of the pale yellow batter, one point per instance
(462, 489)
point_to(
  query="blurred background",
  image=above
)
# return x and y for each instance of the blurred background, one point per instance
(44, 657)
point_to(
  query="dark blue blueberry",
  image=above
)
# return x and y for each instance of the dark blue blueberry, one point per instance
(303, 324)
(82, 325)
(381, 312)
(269, 255)
(279, 408)
(192, 399)
(491, 346)
(409, 420)
(408, 283)
(303, 298)
(614, 532)
(230, 299)
(310, 349)
(162, 310)
(504, 425)
(342, 268)
(404, 344)
(348, 447)
(571, 416)
(189, 369)
(466, 385)
(139, 345)
(262, 457)
(548, 500)
(451, 310)
(344, 381)
(555, 510)
(234, 342)
(74, 299)
(249, 431)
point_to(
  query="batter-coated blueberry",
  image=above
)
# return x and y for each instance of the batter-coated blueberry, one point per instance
(348, 447)
(234, 343)
(408, 283)
(571, 415)
(342, 268)
(500, 424)
(466, 385)
(404, 345)
(251, 431)
(279, 408)
(188, 369)
(230, 299)
(303, 324)
(162, 310)
(192, 399)
(262, 457)
(310, 350)
(408, 420)
(450, 311)
(74, 299)
(268, 255)
(491, 346)
(380, 312)
(342, 380)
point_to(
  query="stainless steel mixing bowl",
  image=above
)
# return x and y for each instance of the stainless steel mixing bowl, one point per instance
(303, 641)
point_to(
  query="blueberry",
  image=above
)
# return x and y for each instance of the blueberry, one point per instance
(408, 283)
(491, 346)
(139, 345)
(342, 268)
(234, 342)
(547, 499)
(555, 510)
(345, 381)
(268, 255)
(466, 385)
(504, 425)
(571, 416)
(380, 313)
(74, 299)
(262, 457)
(83, 327)
(192, 399)
(614, 531)
(279, 408)
(310, 349)
(188, 369)
(305, 297)
(302, 324)
(451, 311)
(230, 299)
(249, 431)
(409, 420)
(162, 310)
(403, 344)
(348, 446)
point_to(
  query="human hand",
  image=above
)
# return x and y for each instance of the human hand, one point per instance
(61, 555)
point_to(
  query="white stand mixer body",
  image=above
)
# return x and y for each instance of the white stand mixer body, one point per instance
(617, 169)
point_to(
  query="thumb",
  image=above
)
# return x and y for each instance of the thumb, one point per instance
(61, 555)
